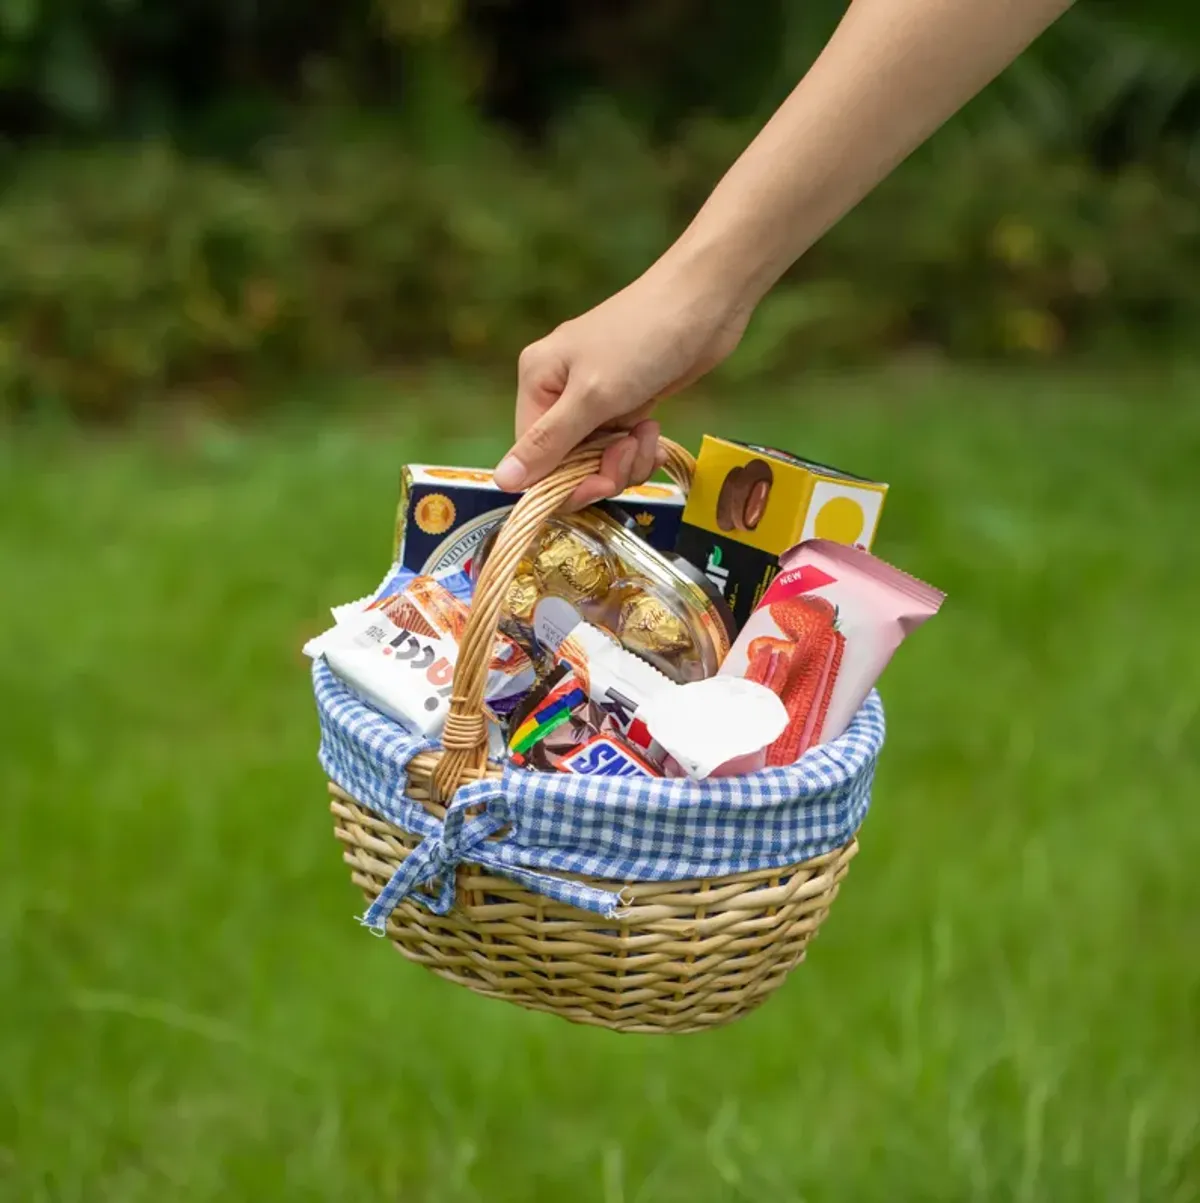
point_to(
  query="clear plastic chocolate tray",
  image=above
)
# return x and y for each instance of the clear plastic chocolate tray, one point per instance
(657, 605)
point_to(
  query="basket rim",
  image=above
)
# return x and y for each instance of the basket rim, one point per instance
(835, 762)
(533, 827)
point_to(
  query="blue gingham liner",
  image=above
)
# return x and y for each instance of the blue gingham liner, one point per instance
(629, 829)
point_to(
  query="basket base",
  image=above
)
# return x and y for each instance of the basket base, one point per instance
(685, 956)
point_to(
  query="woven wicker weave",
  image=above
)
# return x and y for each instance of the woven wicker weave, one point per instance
(684, 956)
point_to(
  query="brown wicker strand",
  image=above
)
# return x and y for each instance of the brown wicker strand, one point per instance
(680, 464)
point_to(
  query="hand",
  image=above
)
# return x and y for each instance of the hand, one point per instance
(609, 367)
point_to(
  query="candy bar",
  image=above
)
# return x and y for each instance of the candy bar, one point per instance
(616, 680)
(552, 705)
(407, 676)
(558, 717)
(824, 632)
(606, 756)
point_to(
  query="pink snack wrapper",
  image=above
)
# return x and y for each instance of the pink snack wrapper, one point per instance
(823, 633)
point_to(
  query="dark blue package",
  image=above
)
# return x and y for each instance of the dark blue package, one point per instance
(446, 513)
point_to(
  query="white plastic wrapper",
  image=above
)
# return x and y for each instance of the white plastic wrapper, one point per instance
(406, 676)
(399, 653)
(717, 727)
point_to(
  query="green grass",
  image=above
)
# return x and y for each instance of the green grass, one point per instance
(1004, 1005)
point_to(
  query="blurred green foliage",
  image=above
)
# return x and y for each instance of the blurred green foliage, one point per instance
(214, 192)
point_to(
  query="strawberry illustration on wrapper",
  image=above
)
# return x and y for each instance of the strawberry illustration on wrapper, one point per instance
(823, 633)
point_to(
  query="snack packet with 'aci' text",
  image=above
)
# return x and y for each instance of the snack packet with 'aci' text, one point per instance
(823, 633)
(400, 651)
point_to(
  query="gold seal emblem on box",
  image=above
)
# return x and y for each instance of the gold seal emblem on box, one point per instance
(434, 514)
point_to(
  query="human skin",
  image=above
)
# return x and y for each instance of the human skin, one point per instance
(892, 73)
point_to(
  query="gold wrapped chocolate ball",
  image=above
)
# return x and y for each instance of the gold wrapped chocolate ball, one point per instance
(648, 626)
(522, 594)
(564, 566)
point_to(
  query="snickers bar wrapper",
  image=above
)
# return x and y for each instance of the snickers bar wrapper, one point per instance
(445, 513)
(749, 504)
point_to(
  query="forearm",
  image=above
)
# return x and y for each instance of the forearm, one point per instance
(894, 71)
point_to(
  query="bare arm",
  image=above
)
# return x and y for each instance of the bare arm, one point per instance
(894, 71)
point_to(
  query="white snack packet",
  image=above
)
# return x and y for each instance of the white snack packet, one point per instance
(717, 727)
(408, 677)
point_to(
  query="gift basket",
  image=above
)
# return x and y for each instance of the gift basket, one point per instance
(578, 771)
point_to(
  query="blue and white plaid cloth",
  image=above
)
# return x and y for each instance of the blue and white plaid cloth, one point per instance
(633, 829)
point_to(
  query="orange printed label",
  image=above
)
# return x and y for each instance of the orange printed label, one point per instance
(475, 475)
(434, 514)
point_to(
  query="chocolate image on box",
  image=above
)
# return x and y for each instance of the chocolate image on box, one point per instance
(729, 498)
(743, 497)
(760, 478)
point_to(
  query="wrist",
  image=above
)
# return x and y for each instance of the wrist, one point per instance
(719, 270)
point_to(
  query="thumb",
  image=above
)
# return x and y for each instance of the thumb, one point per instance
(548, 441)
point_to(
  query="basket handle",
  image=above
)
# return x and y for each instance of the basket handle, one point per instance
(465, 735)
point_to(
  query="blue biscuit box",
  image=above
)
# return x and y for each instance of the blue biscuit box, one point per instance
(445, 514)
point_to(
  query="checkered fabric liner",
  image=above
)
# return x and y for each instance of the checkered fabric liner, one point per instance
(631, 829)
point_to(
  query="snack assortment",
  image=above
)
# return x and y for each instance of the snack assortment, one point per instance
(560, 729)
(642, 638)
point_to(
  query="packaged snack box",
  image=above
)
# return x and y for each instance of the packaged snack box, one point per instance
(827, 627)
(750, 504)
(445, 513)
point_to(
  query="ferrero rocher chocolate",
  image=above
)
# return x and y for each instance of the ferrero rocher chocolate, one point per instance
(645, 624)
(522, 594)
(566, 567)
(596, 568)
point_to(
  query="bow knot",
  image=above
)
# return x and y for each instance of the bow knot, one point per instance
(462, 836)
(457, 838)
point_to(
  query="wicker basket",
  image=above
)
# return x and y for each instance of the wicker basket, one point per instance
(682, 957)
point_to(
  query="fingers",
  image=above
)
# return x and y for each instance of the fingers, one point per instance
(616, 465)
(556, 411)
(644, 461)
(547, 441)
(632, 461)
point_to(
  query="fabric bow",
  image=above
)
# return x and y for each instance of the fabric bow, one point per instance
(462, 837)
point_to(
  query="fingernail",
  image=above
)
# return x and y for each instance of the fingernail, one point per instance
(510, 475)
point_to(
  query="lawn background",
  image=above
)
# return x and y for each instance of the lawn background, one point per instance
(1003, 1005)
